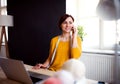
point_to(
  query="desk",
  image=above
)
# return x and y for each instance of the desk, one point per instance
(44, 72)
(51, 73)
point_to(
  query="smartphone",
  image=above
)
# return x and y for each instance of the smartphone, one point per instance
(72, 30)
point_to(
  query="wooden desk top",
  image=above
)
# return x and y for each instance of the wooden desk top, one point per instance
(51, 73)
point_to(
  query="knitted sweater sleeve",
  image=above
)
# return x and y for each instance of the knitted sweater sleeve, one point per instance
(76, 52)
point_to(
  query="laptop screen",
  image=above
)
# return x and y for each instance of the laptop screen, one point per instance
(15, 70)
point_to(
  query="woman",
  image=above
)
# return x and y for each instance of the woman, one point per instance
(69, 45)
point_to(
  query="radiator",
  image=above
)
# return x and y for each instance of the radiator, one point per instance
(99, 67)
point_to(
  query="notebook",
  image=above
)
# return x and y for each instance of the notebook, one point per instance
(15, 70)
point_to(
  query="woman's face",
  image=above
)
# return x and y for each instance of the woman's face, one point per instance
(67, 25)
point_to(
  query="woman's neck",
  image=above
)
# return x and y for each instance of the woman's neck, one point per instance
(65, 37)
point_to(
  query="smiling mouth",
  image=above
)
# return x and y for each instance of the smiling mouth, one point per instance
(68, 28)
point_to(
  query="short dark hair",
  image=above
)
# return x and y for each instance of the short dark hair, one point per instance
(63, 18)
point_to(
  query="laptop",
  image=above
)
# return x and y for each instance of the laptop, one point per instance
(15, 70)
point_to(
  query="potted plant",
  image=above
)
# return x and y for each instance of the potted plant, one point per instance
(81, 32)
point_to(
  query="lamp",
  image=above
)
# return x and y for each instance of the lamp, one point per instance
(5, 20)
(110, 10)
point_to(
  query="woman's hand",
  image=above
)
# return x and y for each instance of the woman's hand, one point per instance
(75, 32)
(74, 37)
(38, 66)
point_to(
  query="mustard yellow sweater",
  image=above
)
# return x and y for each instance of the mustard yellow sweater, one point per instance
(63, 52)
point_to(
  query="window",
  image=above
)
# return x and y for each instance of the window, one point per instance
(101, 35)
